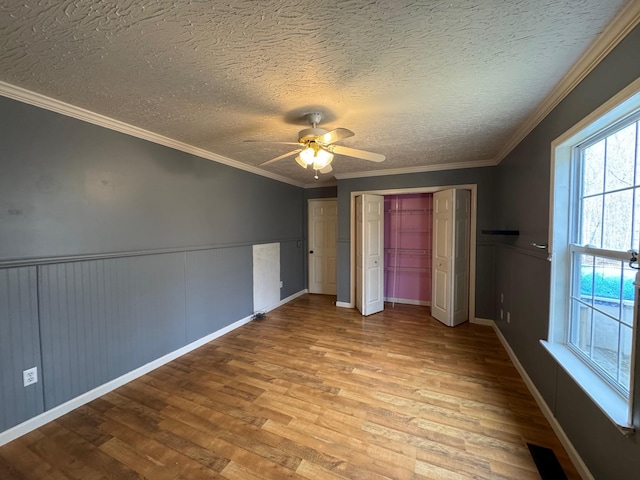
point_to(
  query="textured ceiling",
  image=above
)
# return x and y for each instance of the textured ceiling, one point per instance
(422, 82)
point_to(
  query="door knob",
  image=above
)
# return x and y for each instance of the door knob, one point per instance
(311, 251)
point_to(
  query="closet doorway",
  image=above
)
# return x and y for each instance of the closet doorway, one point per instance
(408, 223)
(408, 246)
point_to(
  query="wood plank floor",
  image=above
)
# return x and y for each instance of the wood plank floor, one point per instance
(311, 391)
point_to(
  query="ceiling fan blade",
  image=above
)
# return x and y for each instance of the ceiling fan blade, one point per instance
(284, 155)
(326, 169)
(354, 152)
(269, 141)
(335, 136)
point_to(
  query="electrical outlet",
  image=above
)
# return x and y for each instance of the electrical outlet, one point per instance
(508, 317)
(30, 376)
(501, 314)
(281, 284)
(502, 298)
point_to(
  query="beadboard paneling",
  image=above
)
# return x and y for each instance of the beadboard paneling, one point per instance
(19, 346)
(219, 289)
(101, 319)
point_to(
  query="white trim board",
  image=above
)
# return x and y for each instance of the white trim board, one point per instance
(345, 305)
(482, 321)
(546, 411)
(56, 412)
(408, 301)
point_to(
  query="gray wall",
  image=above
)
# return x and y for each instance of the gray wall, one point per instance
(523, 179)
(484, 178)
(115, 251)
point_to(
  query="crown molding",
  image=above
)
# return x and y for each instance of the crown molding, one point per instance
(419, 169)
(624, 21)
(48, 103)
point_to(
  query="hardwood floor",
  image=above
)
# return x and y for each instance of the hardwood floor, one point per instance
(311, 391)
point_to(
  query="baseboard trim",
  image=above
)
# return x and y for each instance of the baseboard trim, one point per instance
(344, 305)
(288, 299)
(408, 301)
(546, 411)
(482, 321)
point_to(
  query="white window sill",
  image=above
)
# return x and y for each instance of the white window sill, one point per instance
(612, 404)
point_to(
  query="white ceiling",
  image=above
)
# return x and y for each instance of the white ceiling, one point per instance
(425, 83)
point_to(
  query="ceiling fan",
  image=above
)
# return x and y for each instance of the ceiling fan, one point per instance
(316, 147)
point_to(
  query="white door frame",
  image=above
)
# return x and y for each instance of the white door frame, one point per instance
(401, 191)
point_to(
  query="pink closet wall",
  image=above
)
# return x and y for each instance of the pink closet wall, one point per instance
(407, 240)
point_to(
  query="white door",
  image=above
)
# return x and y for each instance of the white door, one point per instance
(370, 254)
(323, 232)
(450, 290)
(461, 236)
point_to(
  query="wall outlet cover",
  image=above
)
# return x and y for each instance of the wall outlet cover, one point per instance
(30, 376)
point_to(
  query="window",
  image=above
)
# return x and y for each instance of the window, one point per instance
(595, 222)
(606, 200)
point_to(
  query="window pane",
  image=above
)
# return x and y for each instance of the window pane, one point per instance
(581, 327)
(593, 169)
(583, 284)
(621, 152)
(592, 222)
(626, 335)
(605, 343)
(606, 286)
(618, 216)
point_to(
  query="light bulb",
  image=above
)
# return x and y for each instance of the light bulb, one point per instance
(308, 155)
(322, 159)
(318, 158)
(301, 162)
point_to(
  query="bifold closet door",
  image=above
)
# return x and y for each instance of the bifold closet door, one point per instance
(451, 221)
(369, 254)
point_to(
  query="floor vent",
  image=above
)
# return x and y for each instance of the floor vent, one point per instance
(547, 463)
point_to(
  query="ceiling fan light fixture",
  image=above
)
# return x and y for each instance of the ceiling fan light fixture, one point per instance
(323, 159)
(316, 147)
(301, 162)
(316, 157)
(308, 155)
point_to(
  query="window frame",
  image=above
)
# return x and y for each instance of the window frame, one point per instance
(562, 230)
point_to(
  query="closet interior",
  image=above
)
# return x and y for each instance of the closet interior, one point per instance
(408, 225)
